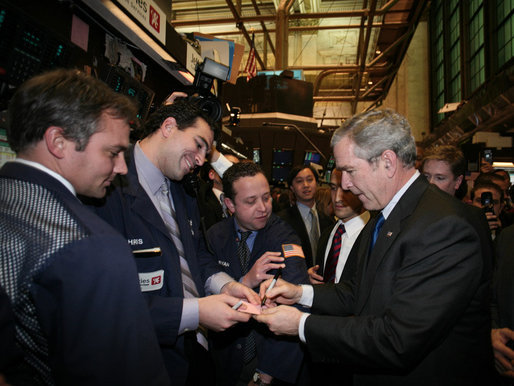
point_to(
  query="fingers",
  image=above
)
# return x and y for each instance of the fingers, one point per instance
(264, 287)
(251, 296)
(314, 278)
(174, 95)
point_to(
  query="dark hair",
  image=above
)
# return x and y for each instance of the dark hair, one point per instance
(486, 185)
(68, 99)
(297, 169)
(184, 111)
(490, 177)
(237, 171)
(449, 154)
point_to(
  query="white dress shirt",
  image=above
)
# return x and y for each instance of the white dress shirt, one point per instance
(352, 229)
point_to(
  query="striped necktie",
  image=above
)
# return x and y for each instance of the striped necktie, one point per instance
(170, 220)
(169, 216)
(333, 256)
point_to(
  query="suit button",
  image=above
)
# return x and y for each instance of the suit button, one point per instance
(239, 346)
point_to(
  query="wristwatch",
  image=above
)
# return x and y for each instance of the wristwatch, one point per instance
(258, 381)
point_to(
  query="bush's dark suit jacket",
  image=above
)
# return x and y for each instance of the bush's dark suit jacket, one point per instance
(129, 210)
(419, 300)
(277, 356)
(293, 217)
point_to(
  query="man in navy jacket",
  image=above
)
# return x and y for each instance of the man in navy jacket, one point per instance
(79, 314)
(176, 139)
(248, 197)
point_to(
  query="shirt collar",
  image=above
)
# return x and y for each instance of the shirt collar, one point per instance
(55, 175)
(390, 206)
(355, 224)
(304, 209)
(148, 174)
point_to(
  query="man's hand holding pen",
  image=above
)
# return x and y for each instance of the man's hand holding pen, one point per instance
(283, 292)
(281, 320)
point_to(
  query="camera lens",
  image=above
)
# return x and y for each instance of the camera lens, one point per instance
(209, 104)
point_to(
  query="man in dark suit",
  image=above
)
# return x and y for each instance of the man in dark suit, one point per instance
(161, 223)
(80, 317)
(336, 243)
(417, 311)
(267, 238)
(303, 217)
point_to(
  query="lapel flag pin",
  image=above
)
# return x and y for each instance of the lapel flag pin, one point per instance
(389, 234)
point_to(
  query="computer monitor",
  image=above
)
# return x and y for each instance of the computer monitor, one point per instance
(279, 173)
(312, 156)
(282, 157)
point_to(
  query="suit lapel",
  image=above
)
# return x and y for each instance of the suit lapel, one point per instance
(142, 204)
(386, 238)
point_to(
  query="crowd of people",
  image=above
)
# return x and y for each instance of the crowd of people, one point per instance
(165, 262)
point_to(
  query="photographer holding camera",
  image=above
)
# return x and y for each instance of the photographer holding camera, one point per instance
(489, 196)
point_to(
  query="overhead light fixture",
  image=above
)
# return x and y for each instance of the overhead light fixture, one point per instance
(370, 82)
(378, 52)
(503, 165)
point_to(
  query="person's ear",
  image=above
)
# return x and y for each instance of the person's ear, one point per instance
(458, 181)
(168, 127)
(390, 160)
(212, 174)
(55, 141)
(230, 205)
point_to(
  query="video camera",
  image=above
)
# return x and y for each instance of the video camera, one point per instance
(201, 93)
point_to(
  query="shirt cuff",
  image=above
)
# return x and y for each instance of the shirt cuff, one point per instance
(215, 282)
(221, 165)
(190, 315)
(307, 296)
(301, 327)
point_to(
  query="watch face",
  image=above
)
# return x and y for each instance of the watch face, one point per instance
(256, 377)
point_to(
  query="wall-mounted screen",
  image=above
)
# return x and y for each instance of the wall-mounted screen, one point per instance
(279, 173)
(282, 157)
(312, 156)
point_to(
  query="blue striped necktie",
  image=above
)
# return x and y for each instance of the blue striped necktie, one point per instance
(170, 220)
(169, 217)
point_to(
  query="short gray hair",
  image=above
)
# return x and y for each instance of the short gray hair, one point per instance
(375, 131)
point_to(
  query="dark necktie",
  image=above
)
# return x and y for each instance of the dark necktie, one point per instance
(333, 256)
(243, 251)
(244, 257)
(376, 230)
